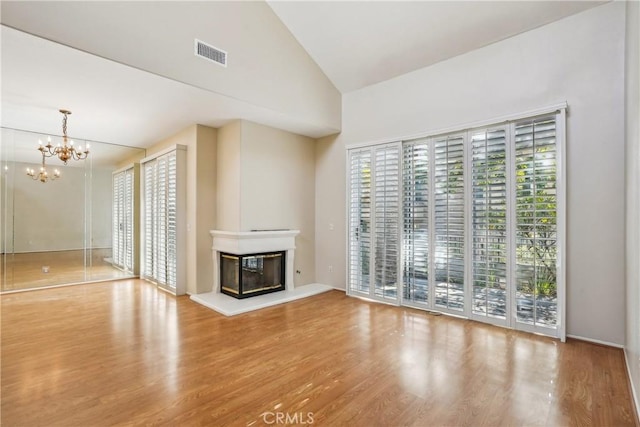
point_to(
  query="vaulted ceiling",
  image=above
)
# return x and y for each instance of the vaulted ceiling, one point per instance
(359, 43)
(128, 72)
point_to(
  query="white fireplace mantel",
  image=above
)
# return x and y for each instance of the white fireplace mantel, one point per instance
(253, 242)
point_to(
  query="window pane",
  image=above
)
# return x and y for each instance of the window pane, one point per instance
(449, 222)
(359, 221)
(489, 230)
(415, 214)
(387, 221)
(536, 207)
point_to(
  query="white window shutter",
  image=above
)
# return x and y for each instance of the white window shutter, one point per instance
(164, 226)
(449, 203)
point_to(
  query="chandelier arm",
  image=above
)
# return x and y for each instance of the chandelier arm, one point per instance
(48, 153)
(65, 152)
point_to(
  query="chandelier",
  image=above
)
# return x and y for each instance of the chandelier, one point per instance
(66, 150)
(43, 175)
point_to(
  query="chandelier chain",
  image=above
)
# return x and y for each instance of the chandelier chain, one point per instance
(64, 124)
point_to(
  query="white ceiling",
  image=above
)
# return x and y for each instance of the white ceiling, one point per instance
(354, 43)
(358, 43)
(110, 102)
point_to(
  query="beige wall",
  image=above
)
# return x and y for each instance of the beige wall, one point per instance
(141, 154)
(266, 180)
(241, 177)
(278, 189)
(331, 257)
(580, 60)
(201, 196)
(632, 156)
(205, 205)
(228, 166)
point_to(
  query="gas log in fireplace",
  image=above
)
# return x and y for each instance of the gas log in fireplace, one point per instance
(243, 276)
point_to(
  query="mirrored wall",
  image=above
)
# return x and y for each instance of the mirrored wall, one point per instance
(57, 230)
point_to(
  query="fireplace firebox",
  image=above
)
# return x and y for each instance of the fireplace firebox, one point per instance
(244, 276)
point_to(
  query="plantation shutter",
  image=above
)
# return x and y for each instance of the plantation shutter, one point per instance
(415, 222)
(359, 220)
(449, 222)
(116, 220)
(481, 213)
(161, 222)
(124, 219)
(387, 221)
(149, 219)
(489, 223)
(163, 228)
(172, 224)
(536, 225)
(128, 219)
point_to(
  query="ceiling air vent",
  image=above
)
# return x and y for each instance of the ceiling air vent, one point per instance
(211, 53)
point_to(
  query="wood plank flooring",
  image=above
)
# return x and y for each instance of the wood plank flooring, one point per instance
(24, 270)
(125, 353)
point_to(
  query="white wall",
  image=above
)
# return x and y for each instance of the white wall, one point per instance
(632, 128)
(580, 60)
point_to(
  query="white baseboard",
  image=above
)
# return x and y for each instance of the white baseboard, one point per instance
(339, 289)
(634, 395)
(607, 343)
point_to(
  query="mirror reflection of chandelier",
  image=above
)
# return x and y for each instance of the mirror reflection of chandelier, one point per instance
(43, 175)
(66, 150)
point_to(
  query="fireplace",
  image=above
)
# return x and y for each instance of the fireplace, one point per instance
(242, 245)
(243, 276)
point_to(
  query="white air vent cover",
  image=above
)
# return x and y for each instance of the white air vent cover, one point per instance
(211, 53)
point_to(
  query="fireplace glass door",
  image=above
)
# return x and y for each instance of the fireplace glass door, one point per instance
(243, 276)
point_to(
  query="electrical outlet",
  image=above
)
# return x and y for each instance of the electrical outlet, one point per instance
(331, 269)
(330, 226)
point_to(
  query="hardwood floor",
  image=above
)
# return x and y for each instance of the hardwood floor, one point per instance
(24, 270)
(125, 353)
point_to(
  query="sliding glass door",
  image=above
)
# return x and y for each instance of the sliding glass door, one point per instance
(449, 204)
(163, 225)
(125, 218)
(360, 222)
(489, 225)
(464, 223)
(536, 226)
(374, 219)
(416, 229)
